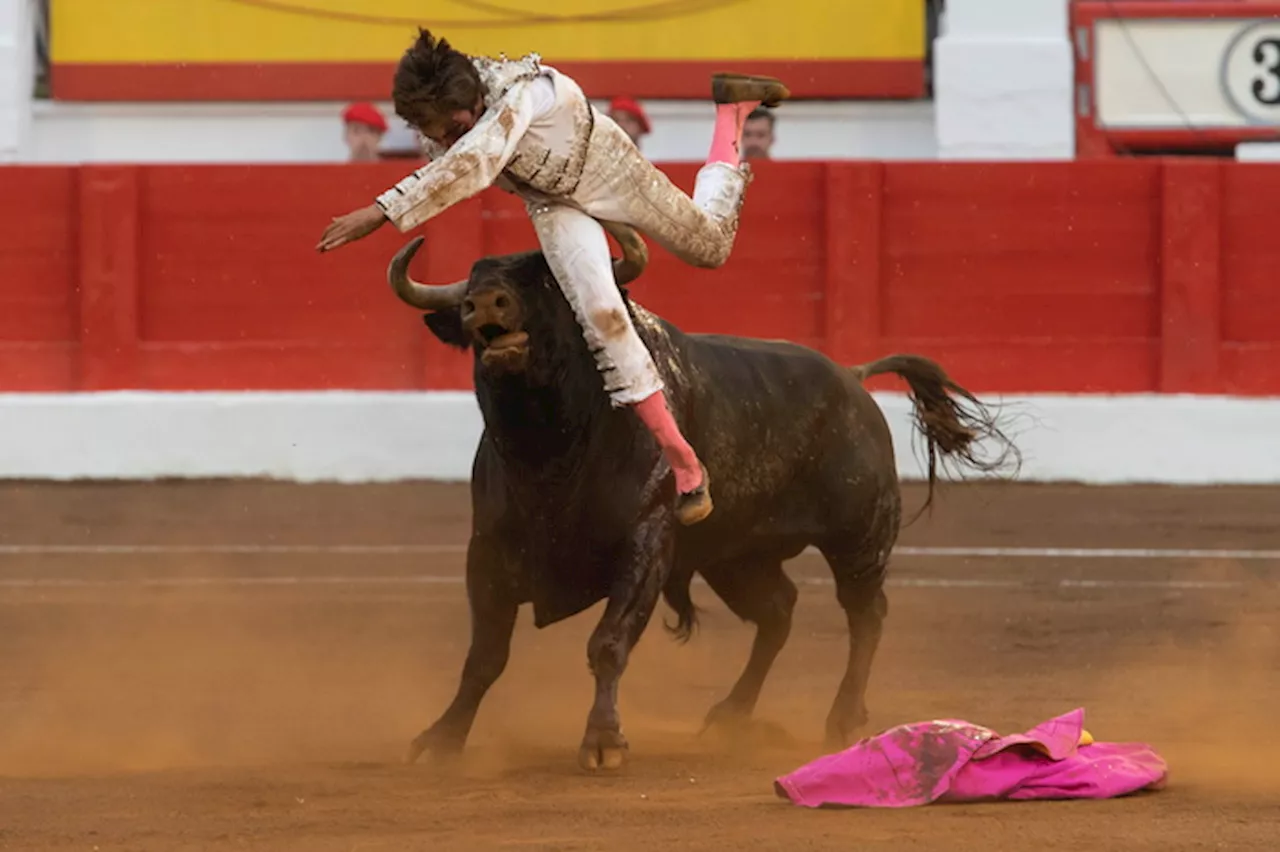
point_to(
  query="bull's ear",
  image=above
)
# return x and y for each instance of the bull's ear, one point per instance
(446, 325)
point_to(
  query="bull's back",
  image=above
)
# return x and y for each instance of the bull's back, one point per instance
(787, 433)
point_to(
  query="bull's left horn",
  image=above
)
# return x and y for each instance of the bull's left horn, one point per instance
(635, 254)
(426, 297)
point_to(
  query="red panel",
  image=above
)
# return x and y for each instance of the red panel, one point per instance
(47, 367)
(1027, 366)
(1250, 254)
(318, 365)
(1067, 277)
(507, 228)
(773, 284)
(338, 81)
(989, 251)
(37, 254)
(1250, 368)
(228, 253)
(228, 256)
(39, 314)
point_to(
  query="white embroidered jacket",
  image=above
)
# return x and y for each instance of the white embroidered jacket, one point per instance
(524, 140)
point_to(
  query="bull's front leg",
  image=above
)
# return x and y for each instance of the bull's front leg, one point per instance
(632, 599)
(494, 605)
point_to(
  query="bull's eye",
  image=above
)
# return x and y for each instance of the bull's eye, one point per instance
(500, 302)
(468, 306)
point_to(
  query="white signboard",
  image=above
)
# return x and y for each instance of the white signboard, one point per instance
(1179, 74)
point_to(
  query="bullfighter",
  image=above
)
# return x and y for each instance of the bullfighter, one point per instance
(530, 130)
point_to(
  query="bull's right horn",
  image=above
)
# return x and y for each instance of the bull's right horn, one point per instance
(426, 297)
(635, 254)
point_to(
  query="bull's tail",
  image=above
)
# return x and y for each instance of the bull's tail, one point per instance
(951, 419)
(676, 594)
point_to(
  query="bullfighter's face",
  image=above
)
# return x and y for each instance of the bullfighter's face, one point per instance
(493, 317)
(446, 127)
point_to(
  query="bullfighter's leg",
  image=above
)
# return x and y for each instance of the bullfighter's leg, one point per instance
(578, 254)
(762, 593)
(859, 572)
(632, 600)
(494, 606)
(621, 185)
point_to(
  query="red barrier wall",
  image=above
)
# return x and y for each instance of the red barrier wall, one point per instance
(1113, 276)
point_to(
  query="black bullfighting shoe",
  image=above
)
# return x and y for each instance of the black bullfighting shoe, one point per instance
(693, 506)
(729, 88)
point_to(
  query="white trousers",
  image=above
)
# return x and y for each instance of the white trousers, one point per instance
(578, 254)
(620, 185)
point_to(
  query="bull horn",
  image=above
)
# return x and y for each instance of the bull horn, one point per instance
(426, 297)
(635, 254)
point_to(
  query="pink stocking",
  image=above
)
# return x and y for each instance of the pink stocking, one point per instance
(657, 417)
(727, 136)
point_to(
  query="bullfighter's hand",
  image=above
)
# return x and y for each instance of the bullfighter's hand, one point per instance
(351, 227)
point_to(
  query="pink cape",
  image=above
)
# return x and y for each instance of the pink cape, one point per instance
(950, 760)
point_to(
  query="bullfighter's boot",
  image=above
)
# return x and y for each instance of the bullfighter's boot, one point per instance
(727, 88)
(693, 483)
(736, 95)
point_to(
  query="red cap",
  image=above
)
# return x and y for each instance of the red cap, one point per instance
(365, 113)
(631, 107)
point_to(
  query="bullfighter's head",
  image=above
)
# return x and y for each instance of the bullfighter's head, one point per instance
(437, 89)
(507, 302)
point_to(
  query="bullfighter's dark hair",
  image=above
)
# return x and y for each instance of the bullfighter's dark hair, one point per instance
(434, 79)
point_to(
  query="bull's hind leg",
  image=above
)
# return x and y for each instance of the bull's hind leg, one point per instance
(859, 571)
(762, 593)
(494, 606)
(632, 600)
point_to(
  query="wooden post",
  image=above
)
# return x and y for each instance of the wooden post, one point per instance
(1191, 277)
(108, 277)
(855, 199)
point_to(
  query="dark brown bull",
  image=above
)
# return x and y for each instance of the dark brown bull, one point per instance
(573, 502)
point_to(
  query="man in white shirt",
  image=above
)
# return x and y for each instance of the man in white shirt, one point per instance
(530, 130)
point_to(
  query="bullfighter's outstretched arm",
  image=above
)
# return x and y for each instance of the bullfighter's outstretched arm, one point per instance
(467, 168)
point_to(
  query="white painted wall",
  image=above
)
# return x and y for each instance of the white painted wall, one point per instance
(312, 132)
(1003, 81)
(362, 437)
(17, 79)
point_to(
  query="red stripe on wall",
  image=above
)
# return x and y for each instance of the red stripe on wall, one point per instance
(325, 81)
(1107, 276)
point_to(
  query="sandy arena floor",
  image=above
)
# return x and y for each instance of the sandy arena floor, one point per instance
(200, 695)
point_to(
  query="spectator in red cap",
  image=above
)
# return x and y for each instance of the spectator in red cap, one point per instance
(630, 116)
(363, 129)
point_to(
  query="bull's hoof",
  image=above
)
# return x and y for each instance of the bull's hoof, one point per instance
(725, 715)
(603, 750)
(842, 733)
(440, 745)
(738, 729)
(693, 506)
(729, 88)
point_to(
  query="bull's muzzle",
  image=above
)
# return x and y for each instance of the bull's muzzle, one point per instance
(493, 319)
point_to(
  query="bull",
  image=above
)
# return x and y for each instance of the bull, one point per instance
(573, 502)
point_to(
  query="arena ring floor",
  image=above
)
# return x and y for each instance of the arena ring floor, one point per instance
(240, 665)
